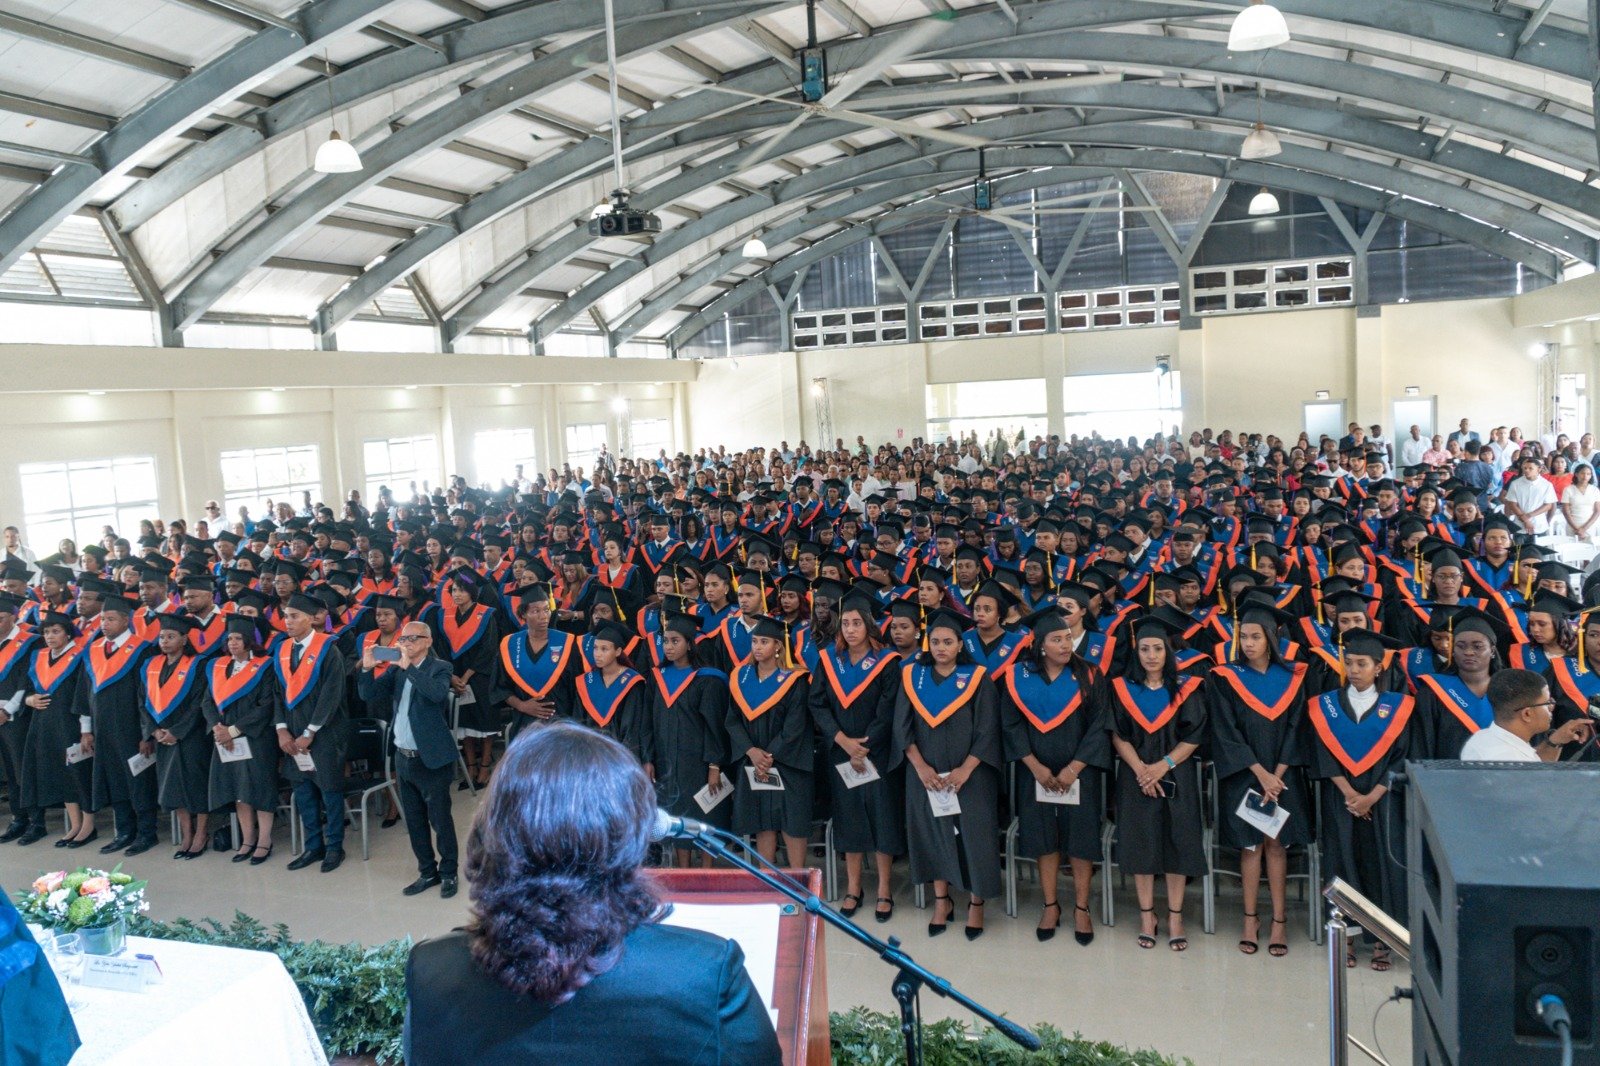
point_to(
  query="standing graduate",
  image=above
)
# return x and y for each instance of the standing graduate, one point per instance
(688, 718)
(853, 692)
(1054, 727)
(947, 730)
(174, 683)
(613, 696)
(1453, 705)
(471, 640)
(309, 706)
(238, 705)
(115, 663)
(538, 663)
(1157, 719)
(769, 742)
(1362, 734)
(54, 691)
(1256, 707)
(16, 653)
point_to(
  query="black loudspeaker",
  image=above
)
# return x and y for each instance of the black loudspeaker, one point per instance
(1504, 872)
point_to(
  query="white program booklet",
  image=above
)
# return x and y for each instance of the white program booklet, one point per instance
(1270, 820)
(709, 800)
(139, 763)
(773, 783)
(1044, 795)
(944, 804)
(240, 752)
(853, 779)
(305, 762)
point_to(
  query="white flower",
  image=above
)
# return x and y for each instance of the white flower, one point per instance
(58, 898)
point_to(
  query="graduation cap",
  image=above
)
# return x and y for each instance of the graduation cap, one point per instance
(178, 623)
(1555, 605)
(60, 574)
(305, 604)
(244, 625)
(390, 603)
(331, 598)
(290, 567)
(944, 618)
(1160, 623)
(1118, 542)
(467, 550)
(826, 588)
(198, 583)
(769, 627)
(116, 605)
(686, 626)
(1256, 606)
(614, 633)
(1001, 593)
(251, 598)
(1368, 643)
(1469, 619)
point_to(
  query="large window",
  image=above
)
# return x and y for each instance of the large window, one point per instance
(79, 499)
(496, 454)
(408, 466)
(650, 437)
(583, 444)
(980, 409)
(1121, 405)
(251, 477)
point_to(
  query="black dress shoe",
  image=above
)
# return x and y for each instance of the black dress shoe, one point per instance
(32, 836)
(447, 887)
(63, 842)
(334, 858)
(90, 839)
(307, 858)
(141, 845)
(13, 831)
(388, 823)
(118, 842)
(420, 885)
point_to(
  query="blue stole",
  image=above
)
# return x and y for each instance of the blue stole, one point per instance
(1005, 649)
(1473, 712)
(1360, 745)
(1044, 703)
(536, 675)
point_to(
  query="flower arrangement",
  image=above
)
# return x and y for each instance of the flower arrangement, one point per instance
(86, 898)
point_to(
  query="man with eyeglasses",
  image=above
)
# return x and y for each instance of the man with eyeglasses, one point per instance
(417, 692)
(1522, 711)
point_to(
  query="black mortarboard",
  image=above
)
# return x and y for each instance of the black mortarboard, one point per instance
(944, 618)
(198, 583)
(299, 601)
(181, 623)
(613, 632)
(767, 626)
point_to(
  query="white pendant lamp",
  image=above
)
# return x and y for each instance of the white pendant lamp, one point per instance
(337, 156)
(1260, 143)
(755, 248)
(1263, 203)
(1258, 26)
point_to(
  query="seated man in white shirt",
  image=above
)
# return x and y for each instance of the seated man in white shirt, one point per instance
(1522, 711)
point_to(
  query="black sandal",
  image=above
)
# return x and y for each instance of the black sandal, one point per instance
(883, 916)
(1278, 951)
(1081, 937)
(1147, 940)
(849, 911)
(1250, 947)
(935, 928)
(973, 934)
(1177, 943)
(1048, 934)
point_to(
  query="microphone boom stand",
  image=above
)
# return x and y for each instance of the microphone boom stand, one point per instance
(910, 976)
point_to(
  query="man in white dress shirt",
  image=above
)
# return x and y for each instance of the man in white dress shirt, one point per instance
(1414, 447)
(1522, 711)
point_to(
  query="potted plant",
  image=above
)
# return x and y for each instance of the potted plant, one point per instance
(93, 903)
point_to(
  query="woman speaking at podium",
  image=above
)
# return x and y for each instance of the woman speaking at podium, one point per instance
(563, 958)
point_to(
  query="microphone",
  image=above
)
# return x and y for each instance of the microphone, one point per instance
(669, 826)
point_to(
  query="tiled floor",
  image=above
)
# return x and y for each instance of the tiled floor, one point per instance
(1211, 1003)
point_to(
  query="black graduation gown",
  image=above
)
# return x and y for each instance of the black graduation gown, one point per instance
(545, 672)
(963, 849)
(688, 719)
(183, 770)
(113, 685)
(472, 640)
(621, 710)
(1448, 713)
(47, 780)
(1058, 723)
(312, 695)
(1246, 730)
(15, 652)
(858, 701)
(1572, 689)
(243, 696)
(771, 714)
(1158, 835)
(1363, 753)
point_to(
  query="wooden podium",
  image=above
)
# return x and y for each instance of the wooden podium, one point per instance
(800, 991)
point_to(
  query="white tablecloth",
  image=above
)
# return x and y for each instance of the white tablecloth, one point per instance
(216, 1005)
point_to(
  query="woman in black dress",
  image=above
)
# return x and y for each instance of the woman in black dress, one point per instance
(769, 736)
(947, 730)
(1260, 742)
(173, 683)
(472, 644)
(688, 716)
(613, 695)
(238, 705)
(853, 693)
(1054, 727)
(1157, 720)
(53, 690)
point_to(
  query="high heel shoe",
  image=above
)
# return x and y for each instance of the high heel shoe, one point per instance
(974, 933)
(883, 916)
(1147, 940)
(1278, 951)
(936, 928)
(1250, 947)
(244, 853)
(1079, 935)
(1048, 934)
(1177, 943)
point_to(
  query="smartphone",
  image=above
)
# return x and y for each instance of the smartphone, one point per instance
(386, 655)
(1260, 804)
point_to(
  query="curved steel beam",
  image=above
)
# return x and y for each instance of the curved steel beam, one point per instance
(1251, 173)
(174, 110)
(478, 106)
(1054, 125)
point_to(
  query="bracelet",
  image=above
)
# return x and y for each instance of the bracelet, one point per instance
(1170, 764)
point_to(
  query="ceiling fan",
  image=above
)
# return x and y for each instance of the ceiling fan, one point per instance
(983, 197)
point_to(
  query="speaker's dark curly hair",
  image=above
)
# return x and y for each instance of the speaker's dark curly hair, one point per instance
(554, 860)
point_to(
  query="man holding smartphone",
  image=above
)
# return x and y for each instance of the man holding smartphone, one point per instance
(417, 690)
